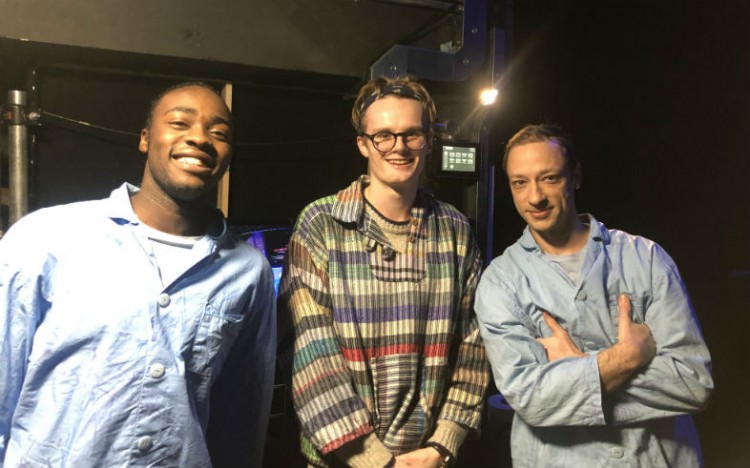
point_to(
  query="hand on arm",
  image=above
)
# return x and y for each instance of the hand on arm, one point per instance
(543, 392)
(559, 345)
(634, 349)
(673, 381)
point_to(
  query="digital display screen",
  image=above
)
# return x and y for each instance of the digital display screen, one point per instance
(276, 277)
(272, 241)
(459, 159)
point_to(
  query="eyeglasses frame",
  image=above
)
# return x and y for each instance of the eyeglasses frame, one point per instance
(395, 139)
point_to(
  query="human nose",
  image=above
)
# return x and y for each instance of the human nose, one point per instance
(197, 135)
(536, 194)
(399, 143)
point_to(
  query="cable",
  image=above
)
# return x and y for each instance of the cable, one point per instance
(89, 125)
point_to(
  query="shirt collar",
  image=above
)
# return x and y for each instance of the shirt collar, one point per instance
(597, 232)
(120, 210)
(349, 206)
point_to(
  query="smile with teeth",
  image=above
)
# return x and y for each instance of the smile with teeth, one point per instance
(399, 162)
(191, 161)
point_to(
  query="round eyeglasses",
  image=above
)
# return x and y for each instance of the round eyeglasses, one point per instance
(385, 141)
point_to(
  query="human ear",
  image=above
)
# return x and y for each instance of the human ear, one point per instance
(143, 144)
(362, 145)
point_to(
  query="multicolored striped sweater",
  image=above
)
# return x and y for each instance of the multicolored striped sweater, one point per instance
(386, 342)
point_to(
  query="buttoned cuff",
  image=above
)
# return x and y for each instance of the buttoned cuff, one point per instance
(449, 435)
(364, 452)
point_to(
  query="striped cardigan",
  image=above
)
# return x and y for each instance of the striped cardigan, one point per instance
(385, 342)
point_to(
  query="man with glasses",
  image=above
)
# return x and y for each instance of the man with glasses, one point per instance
(389, 369)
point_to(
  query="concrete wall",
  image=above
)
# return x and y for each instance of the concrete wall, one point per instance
(340, 37)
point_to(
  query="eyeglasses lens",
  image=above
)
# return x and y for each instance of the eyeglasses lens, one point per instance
(386, 141)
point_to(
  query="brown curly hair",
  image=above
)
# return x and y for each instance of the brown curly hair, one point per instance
(406, 87)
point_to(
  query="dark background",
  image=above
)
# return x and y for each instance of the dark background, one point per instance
(655, 93)
(657, 97)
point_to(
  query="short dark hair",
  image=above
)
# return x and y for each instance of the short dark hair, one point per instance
(539, 133)
(186, 84)
(407, 87)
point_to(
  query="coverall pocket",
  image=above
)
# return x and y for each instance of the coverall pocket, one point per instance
(216, 332)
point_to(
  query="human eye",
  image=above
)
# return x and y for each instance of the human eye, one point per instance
(415, 135)
(382, 137)
(552, 178)
(179, 119)
(517, 184)
(178, 123)
(221, 134)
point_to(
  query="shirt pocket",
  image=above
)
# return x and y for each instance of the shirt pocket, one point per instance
(638, 305)
(217, 330)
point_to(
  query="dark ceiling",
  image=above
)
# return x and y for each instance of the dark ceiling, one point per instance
(337, 37)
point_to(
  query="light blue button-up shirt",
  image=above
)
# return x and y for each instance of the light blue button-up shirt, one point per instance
(103, 365)
(563, 418)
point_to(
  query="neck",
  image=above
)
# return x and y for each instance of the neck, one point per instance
(392, 203)
(165, 214)
(568, 240)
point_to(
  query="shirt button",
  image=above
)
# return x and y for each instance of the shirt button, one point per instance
(581, 296)
(414, 221)
(164, 300)
(145, 444)
(410, 238)
(157, 370)
(590, 345)
(617, 452)
(387, 253)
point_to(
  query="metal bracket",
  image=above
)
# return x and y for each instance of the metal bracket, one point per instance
(437, 65)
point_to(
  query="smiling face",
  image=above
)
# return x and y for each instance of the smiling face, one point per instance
(398, 169)
(188, 144)
(543, 187)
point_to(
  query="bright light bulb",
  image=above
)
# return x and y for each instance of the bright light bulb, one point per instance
(488, 96)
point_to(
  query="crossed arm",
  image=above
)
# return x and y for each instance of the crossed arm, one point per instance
(634, 349)
(655, 369)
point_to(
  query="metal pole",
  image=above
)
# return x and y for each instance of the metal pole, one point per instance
(486, 189)
(18, 157)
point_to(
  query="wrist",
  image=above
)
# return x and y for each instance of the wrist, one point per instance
(446, 457)
(629, 355)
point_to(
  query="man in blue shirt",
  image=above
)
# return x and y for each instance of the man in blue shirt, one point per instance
(117, 315)
(590, 332)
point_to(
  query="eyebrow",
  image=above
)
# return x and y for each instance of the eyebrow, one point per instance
(389, 129)
(189, 110)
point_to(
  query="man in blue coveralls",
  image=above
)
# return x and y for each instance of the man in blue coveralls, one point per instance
(590, 332)
(117, 315)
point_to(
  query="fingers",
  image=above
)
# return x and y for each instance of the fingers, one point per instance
(623, 303)
(552, 323)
